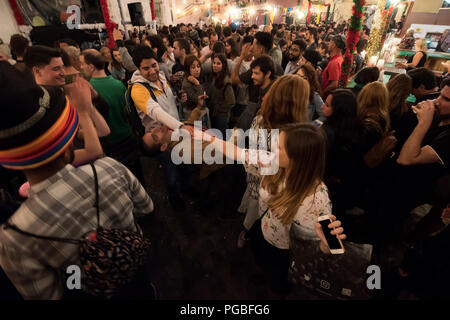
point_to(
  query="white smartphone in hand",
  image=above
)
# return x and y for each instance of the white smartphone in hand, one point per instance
(335, 244)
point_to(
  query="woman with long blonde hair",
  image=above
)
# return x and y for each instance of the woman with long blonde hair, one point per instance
(292, 198)
(399, 87)
(402, 119)
(286, 102)
(373, 112)
(419, 59)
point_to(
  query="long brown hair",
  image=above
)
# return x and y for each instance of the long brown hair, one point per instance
(115, 64)
(305, 145)
(219, 78)
(234, 49)
(311, 76)
(399, 89)
(286, 102)
(373, 101)
(188, 61)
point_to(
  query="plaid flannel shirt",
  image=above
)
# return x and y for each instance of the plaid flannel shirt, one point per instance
(63, 206)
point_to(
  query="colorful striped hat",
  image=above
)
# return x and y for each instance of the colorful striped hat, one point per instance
(37, 123)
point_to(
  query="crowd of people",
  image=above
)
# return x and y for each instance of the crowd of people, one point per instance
(374, 150)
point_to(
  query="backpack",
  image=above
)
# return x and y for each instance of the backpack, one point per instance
(132, 112)
(110, 258)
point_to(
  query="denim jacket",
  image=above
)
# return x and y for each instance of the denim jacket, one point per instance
(315, 110)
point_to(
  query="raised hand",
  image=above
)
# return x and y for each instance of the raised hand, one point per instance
(193, 80)
(183, 96)
(117, 35)
(201, 100)
(79, 94)
(245, 50)
(425, 111)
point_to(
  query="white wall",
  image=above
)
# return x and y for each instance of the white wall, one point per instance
(343, 10)
(8, 22)
(163, 9)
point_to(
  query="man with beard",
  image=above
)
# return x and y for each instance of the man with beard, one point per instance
(423, 159)
(263, 75)
(429, 143)
(181, 48)
(296, 51)
(262, 43)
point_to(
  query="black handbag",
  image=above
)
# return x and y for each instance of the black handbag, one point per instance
(341, 276)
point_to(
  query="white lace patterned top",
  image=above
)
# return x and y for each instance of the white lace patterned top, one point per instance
(277, 233)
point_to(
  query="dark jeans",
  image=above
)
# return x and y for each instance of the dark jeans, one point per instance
(273, 261)
(428, 264)
(220, 121)
(172, 173)
(235, 114)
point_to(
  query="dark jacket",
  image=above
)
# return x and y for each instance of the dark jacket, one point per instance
(221, 100)
(192, 91)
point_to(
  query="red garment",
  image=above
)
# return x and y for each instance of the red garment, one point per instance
(333, 71)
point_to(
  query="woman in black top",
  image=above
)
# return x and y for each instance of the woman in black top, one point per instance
(342, 128)
(419, 59)
(403, 120)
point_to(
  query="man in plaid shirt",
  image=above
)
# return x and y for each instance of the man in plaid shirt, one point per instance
(61, 197)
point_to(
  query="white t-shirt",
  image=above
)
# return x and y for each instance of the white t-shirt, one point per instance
(277, 233)
(205, 51)
(245, 65)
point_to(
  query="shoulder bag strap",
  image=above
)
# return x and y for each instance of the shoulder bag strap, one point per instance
(150, 90)
(96, 204)
(29, 234)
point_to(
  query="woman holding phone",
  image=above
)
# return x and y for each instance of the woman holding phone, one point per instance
(293, 198)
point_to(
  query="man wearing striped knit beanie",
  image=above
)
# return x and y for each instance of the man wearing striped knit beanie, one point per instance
(37, 127)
